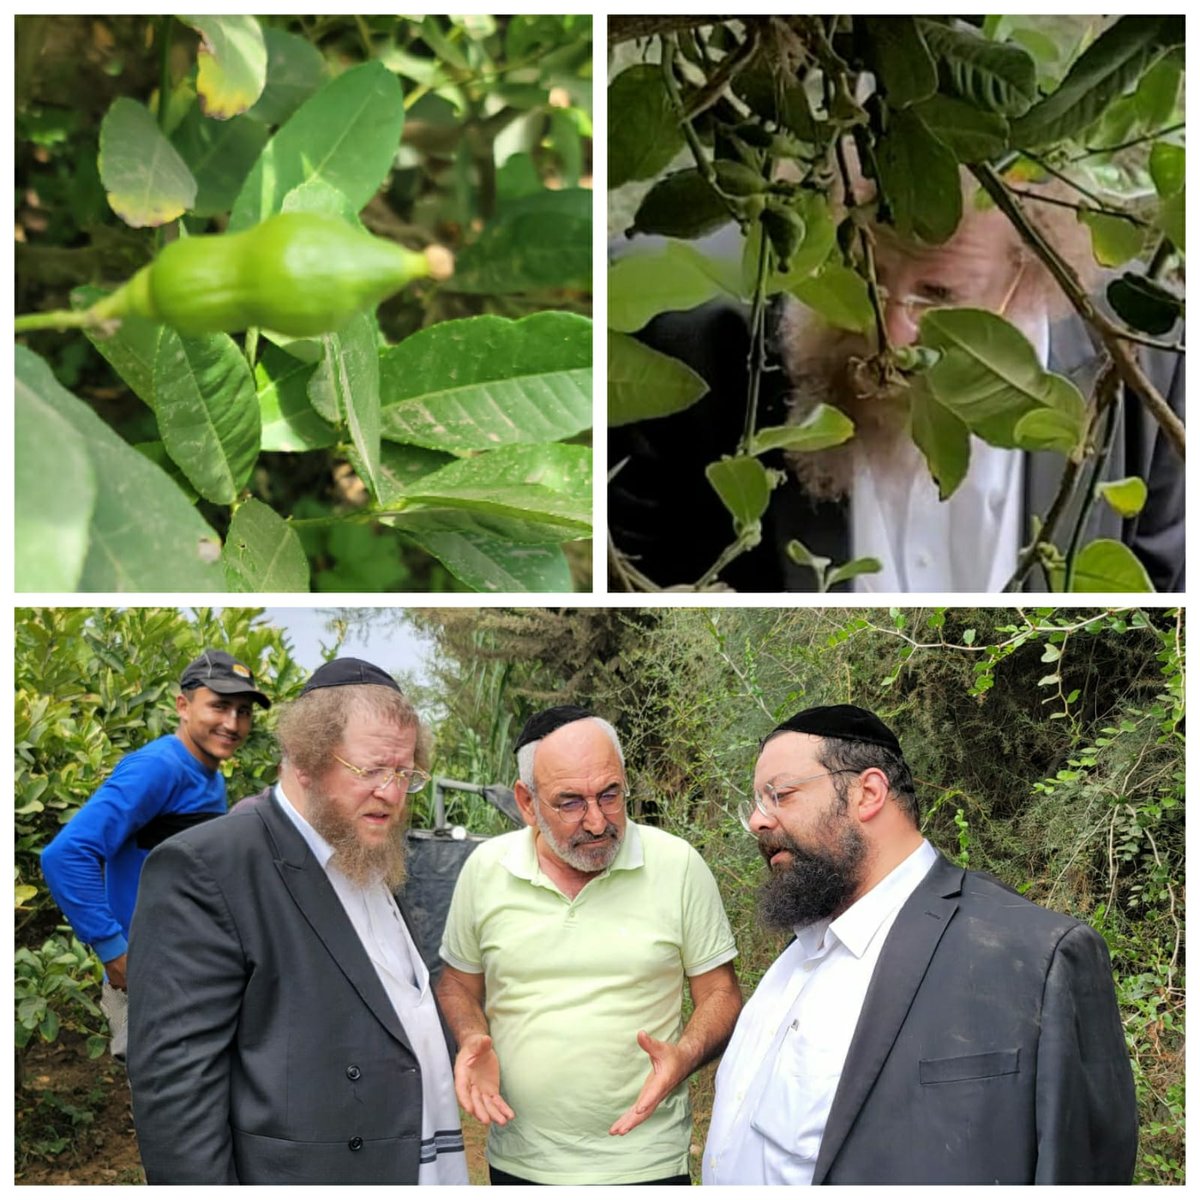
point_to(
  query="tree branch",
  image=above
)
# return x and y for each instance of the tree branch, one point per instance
(626, 29)
(1113, 337)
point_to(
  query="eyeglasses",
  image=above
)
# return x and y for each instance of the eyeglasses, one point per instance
(571, 812)
(779, 794)
(915, 307)
(408, 779)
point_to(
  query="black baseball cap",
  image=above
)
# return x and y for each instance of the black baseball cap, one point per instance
(342, 672)
(223, 674)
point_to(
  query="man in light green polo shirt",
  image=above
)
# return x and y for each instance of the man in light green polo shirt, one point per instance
(566, 949)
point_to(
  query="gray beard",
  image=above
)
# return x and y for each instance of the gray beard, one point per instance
(570, 852)
(363, 865)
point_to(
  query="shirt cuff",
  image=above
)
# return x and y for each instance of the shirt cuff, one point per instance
(111, 947)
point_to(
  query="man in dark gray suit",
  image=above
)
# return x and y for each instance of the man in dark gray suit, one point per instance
(926, 1024)
(283, 1025)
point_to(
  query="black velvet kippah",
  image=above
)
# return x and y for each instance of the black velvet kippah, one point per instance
(541, 724)
(841, 721)
(339, 672)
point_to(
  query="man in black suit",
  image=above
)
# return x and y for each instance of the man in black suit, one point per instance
(927, 1024)
(283, 1027)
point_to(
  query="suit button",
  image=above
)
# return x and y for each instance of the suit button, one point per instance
(356, 1143)
(353, 1073)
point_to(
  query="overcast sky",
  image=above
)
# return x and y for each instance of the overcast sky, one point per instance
(394, 647)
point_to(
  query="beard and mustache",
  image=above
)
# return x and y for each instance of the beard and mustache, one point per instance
(361, 864)
(819, 881)
(590, 853)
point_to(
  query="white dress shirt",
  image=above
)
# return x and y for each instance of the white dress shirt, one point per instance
(777, 1080)
(968, 543)
(385, 937)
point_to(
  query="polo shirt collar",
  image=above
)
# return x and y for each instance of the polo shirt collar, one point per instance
(521, 858)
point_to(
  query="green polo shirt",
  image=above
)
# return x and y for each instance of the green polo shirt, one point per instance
(567, 986)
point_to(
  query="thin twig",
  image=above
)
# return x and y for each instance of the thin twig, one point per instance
(1082, 208)
(1137, 141)
(711, 92)
(1105, 392)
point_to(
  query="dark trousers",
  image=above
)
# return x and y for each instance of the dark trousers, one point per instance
(499, 1178)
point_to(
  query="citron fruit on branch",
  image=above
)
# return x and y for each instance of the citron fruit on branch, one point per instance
(296, 273)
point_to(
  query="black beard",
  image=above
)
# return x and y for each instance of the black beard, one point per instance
(816, 883)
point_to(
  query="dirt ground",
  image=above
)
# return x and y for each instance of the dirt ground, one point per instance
(65, 1099)
(74, 1123)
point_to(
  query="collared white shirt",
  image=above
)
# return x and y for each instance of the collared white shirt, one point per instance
(777, 1079)
(968, 543)
(389, 945)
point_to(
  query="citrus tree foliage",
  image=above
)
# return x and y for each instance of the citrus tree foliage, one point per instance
(92, 685)
(440, 442)
(1047, 747)
(749, 121)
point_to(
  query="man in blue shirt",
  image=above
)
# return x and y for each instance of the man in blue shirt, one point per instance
(93, 865)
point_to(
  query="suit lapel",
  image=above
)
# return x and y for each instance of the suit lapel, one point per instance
(314, 896)
(898, 973)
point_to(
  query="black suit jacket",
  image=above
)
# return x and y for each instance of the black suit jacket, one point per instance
(989, 1049)
(262, 1046)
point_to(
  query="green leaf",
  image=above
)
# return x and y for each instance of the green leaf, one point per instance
(347, 135)
(900, 59)
(1051, 653)
(486, 381)
(56, 496)
(942, 437)
(643, 134)
(1108, 67)
(146, 180)
(994, 76)
(540, 485)
(642, 383)
(1171, 216)
(400, 467)
(263, 553)
(1144, 304)
(839, 295)
(1167, 168)
(744, 487)
(682, 205)
(289, 421)
(295, 70)
(919, 177)
(825, 426)
(490, 564)
(989, 374)
(233, 64)
(767, 93)
(538, 242)
(852, 569)
(346, 382)
(220, 154)
(1109, 566)
(640, 286)
(1048, 429)
(1114, 240)
(1126, 497)
(207, 413)
(972, 134)
(130, 350)
(144, 535)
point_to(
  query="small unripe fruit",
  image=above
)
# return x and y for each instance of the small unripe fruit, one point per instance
(296, 273)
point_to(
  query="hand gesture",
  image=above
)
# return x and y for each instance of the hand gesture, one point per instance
(667, 1068)
(115, 970)
(477, 1081)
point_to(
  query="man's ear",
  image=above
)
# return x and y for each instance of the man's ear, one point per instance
(874, 790)
(524, 798)
(181, 704)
